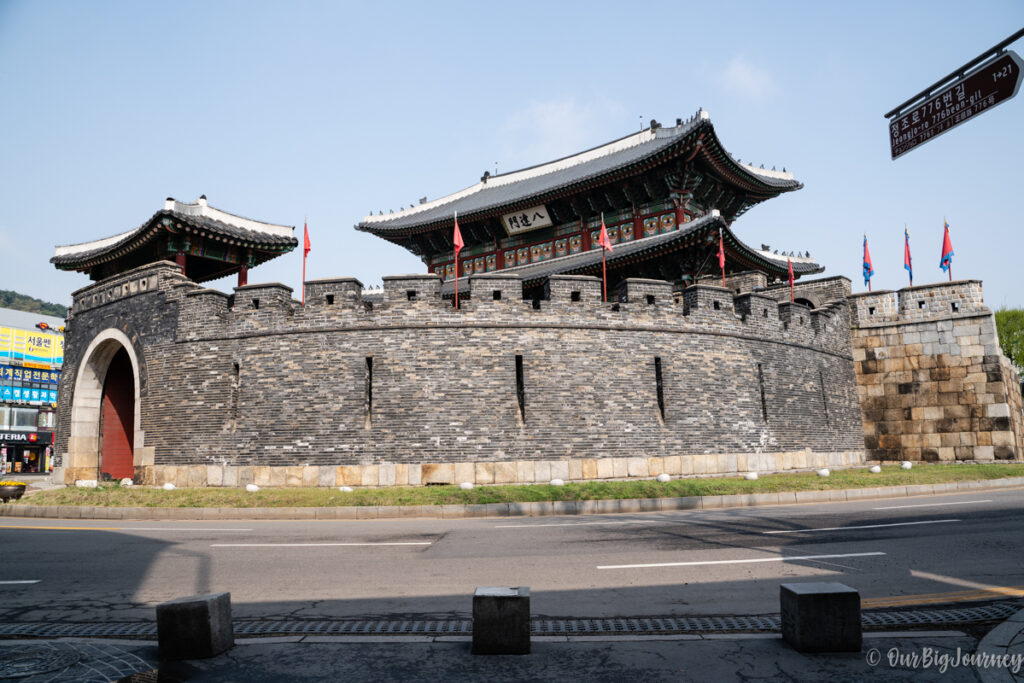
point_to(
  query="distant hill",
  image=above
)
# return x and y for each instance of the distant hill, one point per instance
(21, 302)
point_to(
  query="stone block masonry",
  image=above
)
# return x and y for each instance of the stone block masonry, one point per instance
(406, 390)
(933, 383)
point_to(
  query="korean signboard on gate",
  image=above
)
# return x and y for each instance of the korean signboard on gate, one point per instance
(526, 220)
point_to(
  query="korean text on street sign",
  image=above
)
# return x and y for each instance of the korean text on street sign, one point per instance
(985, 87)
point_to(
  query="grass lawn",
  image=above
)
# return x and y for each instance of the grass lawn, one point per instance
(114, 495)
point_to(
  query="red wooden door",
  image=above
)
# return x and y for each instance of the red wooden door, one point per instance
(117, 418)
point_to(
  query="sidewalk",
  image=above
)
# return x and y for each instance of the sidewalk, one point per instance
(762, 657)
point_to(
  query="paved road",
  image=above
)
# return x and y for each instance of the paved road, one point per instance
(678, 563)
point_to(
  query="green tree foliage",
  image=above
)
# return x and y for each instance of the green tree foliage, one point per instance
(21, 302)
(1010, 327)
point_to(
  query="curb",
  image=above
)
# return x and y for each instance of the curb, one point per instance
(539, 509)
(999, 643)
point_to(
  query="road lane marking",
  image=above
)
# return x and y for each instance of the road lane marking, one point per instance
(747, 561)
(531, 526)
(940, 598)
(865, 526)
(115, 528)
(166, 528)
(307, 545)
(11, 583)
(930, 505)
(64, 528)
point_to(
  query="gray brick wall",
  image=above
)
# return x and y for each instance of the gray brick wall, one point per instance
(231, 384)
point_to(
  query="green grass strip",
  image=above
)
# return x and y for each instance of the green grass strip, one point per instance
(114, 495)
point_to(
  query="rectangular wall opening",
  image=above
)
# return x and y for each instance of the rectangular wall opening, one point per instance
(660, 387)
(235, 387)
(764, 403)
(369, 392)
(330, 299)
(824, 398)
(650, 299)
(496, 294)
(574, 296)
(520, 389)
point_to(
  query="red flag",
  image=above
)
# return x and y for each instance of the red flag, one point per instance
(790, 262)
(605, 243)
(947, 252)
(305, 253)
(457, 241)
(721, 255)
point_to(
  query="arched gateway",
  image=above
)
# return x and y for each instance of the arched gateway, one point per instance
(105, 410)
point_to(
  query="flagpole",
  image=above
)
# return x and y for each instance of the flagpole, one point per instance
(604, 265)
(457, 250)
(305, 253)
(456, 214)
(721, 256)
(945, 230)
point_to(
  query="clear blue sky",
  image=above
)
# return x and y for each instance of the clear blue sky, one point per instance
(331, 110)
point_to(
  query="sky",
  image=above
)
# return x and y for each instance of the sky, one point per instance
(326, 111)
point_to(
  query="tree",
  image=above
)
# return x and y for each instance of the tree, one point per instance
(1010, 328)
(22, 302)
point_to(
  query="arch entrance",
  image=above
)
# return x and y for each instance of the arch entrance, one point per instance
(105, 430)
(117, 419)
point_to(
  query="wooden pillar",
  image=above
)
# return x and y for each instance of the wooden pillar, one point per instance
(243, 275)
(180, 260)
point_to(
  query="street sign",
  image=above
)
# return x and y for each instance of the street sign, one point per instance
(990, 84)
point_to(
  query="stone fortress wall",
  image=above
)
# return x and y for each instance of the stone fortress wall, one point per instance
(933, 382)
(255, 387)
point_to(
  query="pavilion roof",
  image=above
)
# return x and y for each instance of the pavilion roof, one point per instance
(590, 168)
(699, 230)
(267, 240)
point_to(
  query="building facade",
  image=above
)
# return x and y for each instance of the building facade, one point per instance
(31, 361)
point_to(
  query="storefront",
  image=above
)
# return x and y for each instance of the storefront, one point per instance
(26, 452)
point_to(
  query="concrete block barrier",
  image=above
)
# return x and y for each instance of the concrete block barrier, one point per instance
(501, 621)
(196, 627)
(820, 617)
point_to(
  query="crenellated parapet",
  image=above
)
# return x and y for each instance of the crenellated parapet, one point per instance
(932, 302)
(497, 300)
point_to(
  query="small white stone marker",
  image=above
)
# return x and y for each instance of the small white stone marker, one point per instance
(874, 469)
(664, 478)
(127, 482)
(345, 489)
(86, 483)
(466, 486)
(750, 476)
(824, 472)
(557, 482)
(252, 488)
(168, 486)
(906, 465)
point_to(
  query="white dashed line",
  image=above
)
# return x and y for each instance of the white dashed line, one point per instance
(865, 526)
(932, 505)
(750, 561)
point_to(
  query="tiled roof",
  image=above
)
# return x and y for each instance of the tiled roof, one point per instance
(537, 181)
(576, 263)
(199, 216)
